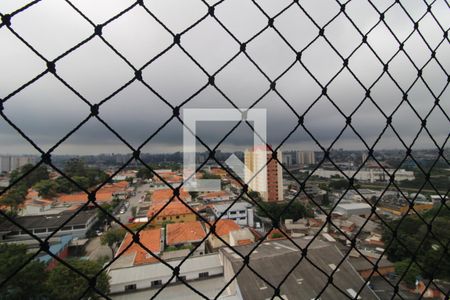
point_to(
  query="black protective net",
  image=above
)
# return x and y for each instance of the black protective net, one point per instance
(437, 97)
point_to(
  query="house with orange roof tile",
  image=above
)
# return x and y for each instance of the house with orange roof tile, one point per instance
(136, 254)
(164, 195)
(216, 196)
(223, 229)
(174, 212)
(186, 235)
(81, 198)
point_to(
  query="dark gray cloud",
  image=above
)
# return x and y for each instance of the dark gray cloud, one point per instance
(47, 110)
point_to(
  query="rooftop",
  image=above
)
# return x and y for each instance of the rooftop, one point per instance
(274, 259)
(225, 226)
(354, 206)
(162, 196)
(49, 221)
(174, 208)
(240, 205)
(150, 238)
(180, 233)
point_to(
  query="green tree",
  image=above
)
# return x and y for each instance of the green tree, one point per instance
(65, 284)
(112, 237)
(411, 274)
(27, 283)
(14, 198)
(133, 211)
(254, 195)
(338, 184)
(40, 173)
(144, 173)
(84, 175)
(295, 211)
(46, 188)
(413, 235)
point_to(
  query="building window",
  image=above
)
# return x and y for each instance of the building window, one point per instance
(42, 230)
(177, 217)
(203, 275)
(180, 278)
(130, 287)
(66, 228)
(156, 283)
(79, 227)
(242, 211)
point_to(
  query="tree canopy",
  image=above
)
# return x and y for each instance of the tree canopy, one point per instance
(27, 283)
(112, 237)
(65, 284)
(412, 235)
(275, 210)
(34, 281)
(144, 173)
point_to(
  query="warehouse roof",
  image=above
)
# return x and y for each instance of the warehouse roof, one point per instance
(275, 259)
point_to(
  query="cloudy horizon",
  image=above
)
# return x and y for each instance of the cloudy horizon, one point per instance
(47, 110)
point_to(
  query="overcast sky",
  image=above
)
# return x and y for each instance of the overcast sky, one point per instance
(47, 110)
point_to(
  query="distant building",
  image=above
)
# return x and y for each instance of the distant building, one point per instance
(369, 174)
(350, 209)
(9, 163)
(269, 184)
(306, 157)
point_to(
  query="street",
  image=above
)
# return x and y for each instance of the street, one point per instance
(134, 201)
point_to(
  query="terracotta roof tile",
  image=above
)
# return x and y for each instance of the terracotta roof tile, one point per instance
(150, 238)
(180, 233)
(225, 226)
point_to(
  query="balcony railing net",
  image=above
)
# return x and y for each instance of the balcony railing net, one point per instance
(179, 38)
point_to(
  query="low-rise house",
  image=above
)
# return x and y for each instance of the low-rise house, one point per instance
(241, 212)
(368, 226)
(223, 229)
(240, 237)
(164, 195)
(135, 255)
(186, 235)
(175, 212)
(216, 196)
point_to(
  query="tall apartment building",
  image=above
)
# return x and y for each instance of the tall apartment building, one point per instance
(270, 183)
(306, 157)
(9, 163)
